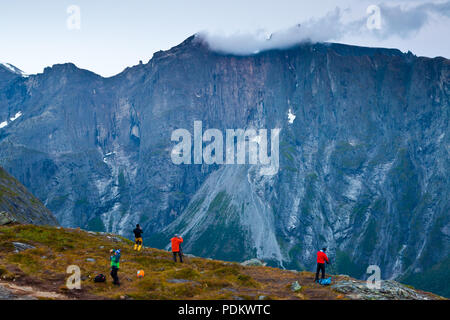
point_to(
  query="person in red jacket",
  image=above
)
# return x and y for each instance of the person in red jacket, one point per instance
(321, 259)
(176, 249)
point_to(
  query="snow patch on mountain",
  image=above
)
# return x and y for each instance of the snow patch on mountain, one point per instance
(13, 69)
(16, 116)
(3, 124)
(291, 116)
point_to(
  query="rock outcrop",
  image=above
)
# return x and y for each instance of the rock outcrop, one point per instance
(389, 290)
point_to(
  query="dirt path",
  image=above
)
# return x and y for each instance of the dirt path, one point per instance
(11, 291)
(6, 294)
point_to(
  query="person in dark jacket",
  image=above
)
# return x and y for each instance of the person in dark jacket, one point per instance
(321, 260)
(115, 258)
(138, 238)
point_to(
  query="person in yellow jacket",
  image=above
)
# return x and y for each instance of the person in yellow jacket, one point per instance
(138, 238)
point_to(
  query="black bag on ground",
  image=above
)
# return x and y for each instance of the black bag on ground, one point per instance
(100, 278)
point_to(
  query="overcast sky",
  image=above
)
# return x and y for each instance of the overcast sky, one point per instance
(115, 34)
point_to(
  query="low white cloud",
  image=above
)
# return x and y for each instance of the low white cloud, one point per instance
(261, 40)
(401, 20)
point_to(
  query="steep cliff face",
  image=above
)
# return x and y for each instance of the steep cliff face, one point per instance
(18, 205)
(364, 153)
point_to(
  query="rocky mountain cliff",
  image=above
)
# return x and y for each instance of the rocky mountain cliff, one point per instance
(364, 153)
(18, 205)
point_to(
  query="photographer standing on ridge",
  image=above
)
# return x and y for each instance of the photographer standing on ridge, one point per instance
(176, 249)
(321, 259)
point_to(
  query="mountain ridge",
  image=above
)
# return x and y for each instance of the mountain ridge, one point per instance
(196, 38)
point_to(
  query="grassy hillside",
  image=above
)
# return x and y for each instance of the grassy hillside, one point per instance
(18, 203)
(41, 271)
(45, 267)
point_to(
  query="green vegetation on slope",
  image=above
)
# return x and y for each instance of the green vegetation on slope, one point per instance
(21, 204)
(345, 265)
(434, 279)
